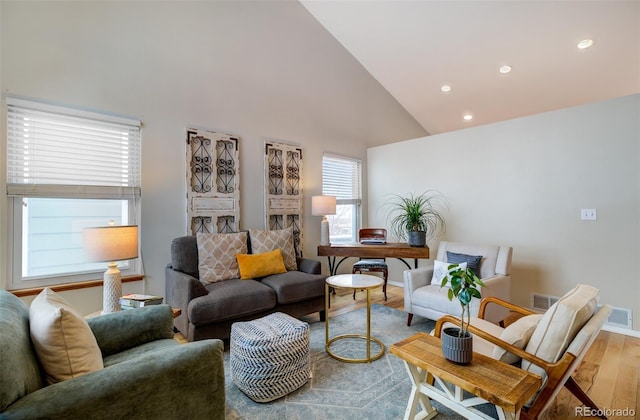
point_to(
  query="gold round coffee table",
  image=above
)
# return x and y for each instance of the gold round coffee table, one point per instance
(352, 282)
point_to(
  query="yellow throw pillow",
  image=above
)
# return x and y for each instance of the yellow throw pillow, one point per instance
(261, 265)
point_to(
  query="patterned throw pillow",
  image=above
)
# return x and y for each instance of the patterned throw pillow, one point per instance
(269, 240)
(440, 270)
(217, 255)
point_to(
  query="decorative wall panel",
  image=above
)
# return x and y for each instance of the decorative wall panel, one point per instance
(283, 189)
(213, 184)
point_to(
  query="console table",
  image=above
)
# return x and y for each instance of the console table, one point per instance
(434, 377)
(399, 251)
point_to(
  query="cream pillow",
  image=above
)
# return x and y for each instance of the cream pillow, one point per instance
(517, 334)
(62, 338)
(440, 270)
(560, 324)
(268, 240)
(217, 255)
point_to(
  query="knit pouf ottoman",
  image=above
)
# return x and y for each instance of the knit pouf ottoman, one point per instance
(269, 357)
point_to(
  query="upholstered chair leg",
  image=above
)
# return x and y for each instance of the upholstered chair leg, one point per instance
(409, 318)
(323, 315)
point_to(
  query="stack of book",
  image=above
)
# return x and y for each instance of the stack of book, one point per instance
(135, 300)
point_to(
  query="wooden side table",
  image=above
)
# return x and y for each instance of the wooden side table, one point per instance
(505, 386)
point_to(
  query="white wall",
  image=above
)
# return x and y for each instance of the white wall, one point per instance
(255, 69)
(523, 182)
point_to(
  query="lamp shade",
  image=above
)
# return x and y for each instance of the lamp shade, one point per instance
(111, 243)
(322, 205)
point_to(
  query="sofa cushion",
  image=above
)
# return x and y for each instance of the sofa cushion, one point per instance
(260, 265)
(517, 334)
(231, 299)
(268, 240)
(296, 286)
(16, 351)
(217, 255)
(440, 270)
(65, 345)
(473, 261)
(184, 255)
(560, 324)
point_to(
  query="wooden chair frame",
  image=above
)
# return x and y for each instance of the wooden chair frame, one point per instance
(558, 373)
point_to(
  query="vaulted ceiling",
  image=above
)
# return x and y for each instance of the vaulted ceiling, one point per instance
(413, 48)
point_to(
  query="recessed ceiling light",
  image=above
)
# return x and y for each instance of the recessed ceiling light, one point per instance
(585, 43)
(445, 88)
(504, 69)
(467, 117)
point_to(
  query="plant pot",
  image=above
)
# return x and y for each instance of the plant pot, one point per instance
(417, 238)
(457, 349)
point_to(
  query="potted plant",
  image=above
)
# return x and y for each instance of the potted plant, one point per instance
(417, 218)
(457, 343)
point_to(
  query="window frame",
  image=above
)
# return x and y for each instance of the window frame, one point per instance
(343, 198)
(16, 193)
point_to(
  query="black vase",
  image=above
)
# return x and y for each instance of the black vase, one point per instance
(457, 349)
(417, 238)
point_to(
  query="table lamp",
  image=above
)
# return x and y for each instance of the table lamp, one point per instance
(323, 205)
(111, 244)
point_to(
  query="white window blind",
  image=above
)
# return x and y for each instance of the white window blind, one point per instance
(59, 152)
(341, 178)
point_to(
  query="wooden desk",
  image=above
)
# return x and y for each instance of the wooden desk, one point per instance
(357, 250)
(505, 386)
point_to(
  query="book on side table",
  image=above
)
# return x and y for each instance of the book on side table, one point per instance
(136, 300)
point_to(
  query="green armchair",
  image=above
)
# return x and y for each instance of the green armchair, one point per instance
(147, 374)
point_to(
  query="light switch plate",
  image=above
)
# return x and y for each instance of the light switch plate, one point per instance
(588, 214)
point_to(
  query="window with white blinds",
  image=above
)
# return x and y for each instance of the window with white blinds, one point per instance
(60, 152)
(67, 169)
(341, 177)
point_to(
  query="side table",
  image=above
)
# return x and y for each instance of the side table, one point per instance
(490, 381)
(353, 282)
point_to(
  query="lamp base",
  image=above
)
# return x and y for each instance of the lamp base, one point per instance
(324, 231)
(111, 289)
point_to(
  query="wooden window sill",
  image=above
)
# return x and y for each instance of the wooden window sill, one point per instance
(72, 286)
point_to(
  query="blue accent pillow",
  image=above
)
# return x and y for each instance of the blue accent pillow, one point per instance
(473, 261)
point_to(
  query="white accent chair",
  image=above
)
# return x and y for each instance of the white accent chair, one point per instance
(431, 301)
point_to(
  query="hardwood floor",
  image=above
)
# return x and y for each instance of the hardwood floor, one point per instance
(609, 373)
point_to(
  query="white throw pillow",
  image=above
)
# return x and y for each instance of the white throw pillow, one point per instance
(518, 335)
(440, 270)
(217, 255)
(62, 338)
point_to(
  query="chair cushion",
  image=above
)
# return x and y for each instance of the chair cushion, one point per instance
(473, 261)
(440, 270)
(435, 298)
(260, 265)
(231, 299)
(217, 255)
(296, 286)
(369, 264)
(62, 338)
(560, 324)
(517, 334)
(268, 240)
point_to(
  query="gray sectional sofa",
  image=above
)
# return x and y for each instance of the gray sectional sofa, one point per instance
(208, 310)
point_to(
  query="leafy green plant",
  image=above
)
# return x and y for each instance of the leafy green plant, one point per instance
(417, 213)
(464, 287)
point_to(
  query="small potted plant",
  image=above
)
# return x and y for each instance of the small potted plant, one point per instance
(417, 218)
(457, 343)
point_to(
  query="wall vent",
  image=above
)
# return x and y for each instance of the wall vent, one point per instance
(541, 302)
(619, 317)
